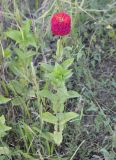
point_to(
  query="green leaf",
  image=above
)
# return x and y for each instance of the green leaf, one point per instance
(4, 151)
(105, 153)
(26, 156)
(46, 135)
(26, 131)
(73, 94)
(4, 100)
(50, 118)
(28, 35)
(23, 36)
(79, 55)
(3, 157)
(16, 101)
(18, 87)
(65, 117)
(26, 26)
(2, 120)
(92, 107)
(67, 74)
(114, 139)
(46, 93)
(58, 137)
(47, 67)
(67, 63)
(30, 40)
(3, 127)
(15, 35)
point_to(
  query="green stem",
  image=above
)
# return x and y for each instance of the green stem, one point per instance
(59, 3)
(59, 52)
(36, 4)
(37, 94)
(77, 150)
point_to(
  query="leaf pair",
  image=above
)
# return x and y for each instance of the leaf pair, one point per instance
(58, 99)
(60, 118)
(59, 121)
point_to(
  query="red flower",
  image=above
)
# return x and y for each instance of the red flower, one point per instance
(60, 24)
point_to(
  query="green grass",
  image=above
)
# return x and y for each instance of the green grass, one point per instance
(92, 44)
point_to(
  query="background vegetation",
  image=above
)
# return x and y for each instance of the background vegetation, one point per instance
(92, 44)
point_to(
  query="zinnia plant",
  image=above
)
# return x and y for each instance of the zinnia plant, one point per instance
(57, 76)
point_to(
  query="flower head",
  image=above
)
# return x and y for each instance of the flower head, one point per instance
(61, 24)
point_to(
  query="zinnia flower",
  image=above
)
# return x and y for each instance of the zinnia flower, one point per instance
(61, 24)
